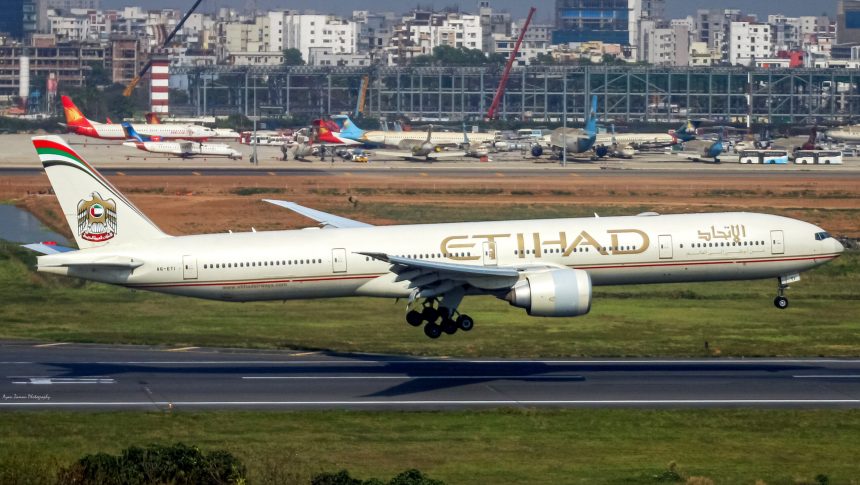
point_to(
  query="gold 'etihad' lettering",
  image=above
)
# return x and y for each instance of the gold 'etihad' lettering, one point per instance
(450, 249)
(635, 249)
(452, 246)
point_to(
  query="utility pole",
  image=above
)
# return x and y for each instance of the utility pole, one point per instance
(564, 125)
(256, 161)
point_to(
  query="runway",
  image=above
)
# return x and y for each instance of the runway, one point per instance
(86, 377)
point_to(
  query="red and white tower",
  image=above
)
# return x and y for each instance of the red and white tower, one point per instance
(158, 91)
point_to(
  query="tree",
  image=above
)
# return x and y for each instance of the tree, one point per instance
(293, 57)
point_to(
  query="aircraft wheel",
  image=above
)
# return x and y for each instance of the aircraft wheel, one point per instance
(780, 302)
(432, 330)
(449, 326)
(430, 314)
(414, 318)
(465, 323)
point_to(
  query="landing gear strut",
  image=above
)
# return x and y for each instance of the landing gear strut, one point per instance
(438, 318)
(781, 301)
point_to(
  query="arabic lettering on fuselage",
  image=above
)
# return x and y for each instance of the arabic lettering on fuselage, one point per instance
(734, 232)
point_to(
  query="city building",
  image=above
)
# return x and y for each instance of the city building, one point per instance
(847, 21)
(749, 41)
(607, 21)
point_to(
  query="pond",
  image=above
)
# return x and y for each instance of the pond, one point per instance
(18, 225)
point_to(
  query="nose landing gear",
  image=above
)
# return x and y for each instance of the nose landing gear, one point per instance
(438, 319)
(782, 282)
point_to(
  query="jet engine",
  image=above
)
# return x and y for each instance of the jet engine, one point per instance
(601, 151)
(537, 150)
(554, 293)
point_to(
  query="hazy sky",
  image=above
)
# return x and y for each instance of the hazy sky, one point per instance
(674, 8)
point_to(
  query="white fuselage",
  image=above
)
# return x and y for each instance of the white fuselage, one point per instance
(319, 263)
(850, 134)
(185, 149)
(636, 139)
(442, 138)
(164, 131)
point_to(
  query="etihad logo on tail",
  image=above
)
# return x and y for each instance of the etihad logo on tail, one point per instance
(97, 218)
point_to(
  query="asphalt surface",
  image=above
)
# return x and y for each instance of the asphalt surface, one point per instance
(468, 171)
(60, 376)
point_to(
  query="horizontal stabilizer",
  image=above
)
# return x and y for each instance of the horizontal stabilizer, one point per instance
(43, 248)
(324, 218)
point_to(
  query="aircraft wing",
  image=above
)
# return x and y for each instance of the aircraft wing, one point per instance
(118, 262)
(325, 219)
(445, 154)
(392, 154)
(433, 278)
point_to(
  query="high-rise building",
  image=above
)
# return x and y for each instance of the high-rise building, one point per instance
(607, 21)
(847, 21)
(12, 18)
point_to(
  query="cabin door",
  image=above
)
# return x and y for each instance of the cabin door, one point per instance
(777, 245)
(490, 256)
(665, 242)
(189, 267)
(338, 260)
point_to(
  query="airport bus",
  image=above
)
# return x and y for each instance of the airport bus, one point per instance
(769, 157)
(826, 157)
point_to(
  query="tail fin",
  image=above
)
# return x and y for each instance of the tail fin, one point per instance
(96, 211)
(465, 136)
(131, 133)
(152, 119)
(591, 121)
(686, 132)
(348, 129)
(74, 117)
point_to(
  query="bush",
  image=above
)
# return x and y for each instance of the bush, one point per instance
(408, 477)
(178, 464)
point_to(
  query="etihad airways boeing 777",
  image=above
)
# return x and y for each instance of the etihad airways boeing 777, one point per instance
(545, 266)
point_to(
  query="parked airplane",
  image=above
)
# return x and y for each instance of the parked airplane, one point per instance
(476, 150)
(545, 266)
(845, 134)
(220, 133)
(641, 141)
(181, 149)
(77, 123)
(704, 150)
(425, 151)
(576, 140)
(380, 138)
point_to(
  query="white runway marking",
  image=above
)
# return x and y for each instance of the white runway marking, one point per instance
(834, 376)
(62, 380)
(181, 349)
(500, 402)
(406, 378)
(50, 345)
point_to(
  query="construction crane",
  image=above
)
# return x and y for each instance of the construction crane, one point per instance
(130, 88)
(362, 95)
(491, 113)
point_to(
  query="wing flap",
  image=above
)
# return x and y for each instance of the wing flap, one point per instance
(325, 219)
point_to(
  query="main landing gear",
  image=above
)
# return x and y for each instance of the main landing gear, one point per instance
(438, 319)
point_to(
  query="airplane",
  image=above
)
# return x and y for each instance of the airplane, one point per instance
(576, 140)
(474, 151)
(641, 141)
(546, 266)
(78, 124)
(845, 134)
(425, 151)
(220, 133)
(381, 138)
(708, 150)
(314, 141)
(181, 149)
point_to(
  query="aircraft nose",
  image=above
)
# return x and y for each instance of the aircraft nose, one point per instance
(837, 246)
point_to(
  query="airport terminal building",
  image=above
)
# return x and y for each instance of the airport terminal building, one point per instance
(540, 93)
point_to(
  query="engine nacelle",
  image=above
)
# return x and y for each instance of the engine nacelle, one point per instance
(554, 293)
(537, 150)
(601, 151)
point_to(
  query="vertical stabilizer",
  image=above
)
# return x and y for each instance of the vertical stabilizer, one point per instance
(96, 211)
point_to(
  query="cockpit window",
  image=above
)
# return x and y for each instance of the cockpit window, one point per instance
(820, 236)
